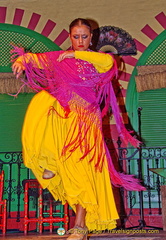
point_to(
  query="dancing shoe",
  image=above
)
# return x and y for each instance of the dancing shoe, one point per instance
(47, 174)
(78, 233)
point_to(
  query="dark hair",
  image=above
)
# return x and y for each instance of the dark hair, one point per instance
(80, 21)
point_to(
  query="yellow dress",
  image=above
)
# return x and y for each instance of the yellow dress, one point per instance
(76, 181)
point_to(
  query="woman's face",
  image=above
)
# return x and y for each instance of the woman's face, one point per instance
(80, 37)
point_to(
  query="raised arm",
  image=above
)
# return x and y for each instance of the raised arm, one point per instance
(101, 61)
(18, 66)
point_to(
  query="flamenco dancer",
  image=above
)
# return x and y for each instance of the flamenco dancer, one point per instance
(62, 137)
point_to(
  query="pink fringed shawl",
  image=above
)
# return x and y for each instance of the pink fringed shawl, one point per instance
(73, 77)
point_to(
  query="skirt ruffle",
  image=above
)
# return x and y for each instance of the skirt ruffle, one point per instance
(76, 180)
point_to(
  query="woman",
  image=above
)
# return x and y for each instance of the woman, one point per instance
(62, 133)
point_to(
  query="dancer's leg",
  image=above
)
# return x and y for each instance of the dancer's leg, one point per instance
(80, 216)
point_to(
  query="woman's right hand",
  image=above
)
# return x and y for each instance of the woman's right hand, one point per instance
(65, 54)
(17, 69)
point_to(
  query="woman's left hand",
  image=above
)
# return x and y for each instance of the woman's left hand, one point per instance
(66, 54)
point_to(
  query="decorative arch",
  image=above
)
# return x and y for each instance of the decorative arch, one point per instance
(26, 38)
(13, 109)
(127, 96)
(33, 22)
(132, 61)
(156, 41)
(132, 93)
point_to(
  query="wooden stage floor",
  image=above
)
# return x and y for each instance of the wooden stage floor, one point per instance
(160, 235)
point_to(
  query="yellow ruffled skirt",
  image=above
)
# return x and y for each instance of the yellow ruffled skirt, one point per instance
(76, 181)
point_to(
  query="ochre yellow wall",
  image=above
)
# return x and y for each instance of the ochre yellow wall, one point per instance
(131, 15)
